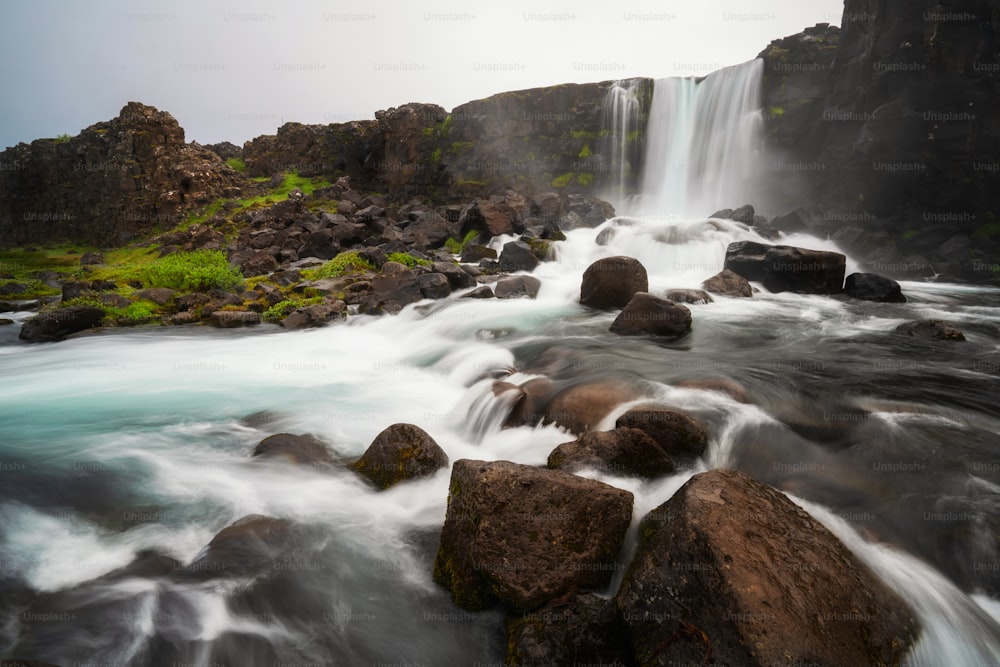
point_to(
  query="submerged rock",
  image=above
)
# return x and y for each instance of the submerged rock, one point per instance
(731, 569)
(248, 547)
(56, 325)
(297, 449)
(930, 330)
(527, 535)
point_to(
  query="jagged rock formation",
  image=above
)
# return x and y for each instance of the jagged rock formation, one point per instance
(112, 182)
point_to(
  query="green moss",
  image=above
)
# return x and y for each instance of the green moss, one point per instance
(345, 262)
(446, 126)
(633, 136)
(406, 259)
(584, 152)
(991, 229)
(460, 147)
(283, 309)
(775, 112)
(62, 138)
(237, 163)
(582, 178)
(436, 156)
(192, 271)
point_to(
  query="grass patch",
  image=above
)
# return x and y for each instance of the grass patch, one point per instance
(456, 247)
(346, 262)
(237, 164)
(283, 309)
(407, 260)
(192, 272)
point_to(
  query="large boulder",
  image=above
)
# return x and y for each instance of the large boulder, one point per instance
(730, 568)
(585, 630)
(622, 451)
(55, 325)
(296, 449)
(871, 287)
(400, 452)
(512, 287)
(646, 314)
(930, 330)
(611, 282)
(728, 283)
(392, 291)
(581, 407)
(249, 547)
(527, 535)
(678, 434)
(517, 256)
(787, 268)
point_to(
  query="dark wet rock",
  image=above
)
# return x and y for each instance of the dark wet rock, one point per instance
(744, 214)
(728, 283)
(489, 217)
(930, 330)
(317, 315)
(512, 287)
(621, 451)
(692, 296)
(730, 568)
(5, 322)
(787, 268)
(646, 314)
(434, 285)
(527, 535)
(296, 449)
(583, 630)
(581, 407)
(233, 319)
(191, 301)
(250, 546)
(871, 287)
(474, 253)
(457, 278)
(147, 564)
(517, 256)
(481, 292)
(611, 282)
(591, 210)
(679, 435)
(161, 296)
(260, 263)
(396, 288)
(21, 305)
(399, 453)
(57, 324)
(734, 389)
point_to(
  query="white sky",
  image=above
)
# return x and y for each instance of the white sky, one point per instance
(232, 70)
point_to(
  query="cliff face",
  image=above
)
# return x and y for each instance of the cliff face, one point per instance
(113, 181)
(901, 152)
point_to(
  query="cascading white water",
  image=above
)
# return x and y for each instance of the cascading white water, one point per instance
(620, 118)
(702, 144)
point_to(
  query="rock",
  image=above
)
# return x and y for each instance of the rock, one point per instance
(184, 317)
(396, 288)
(675, 432)
(585, 630)
(297, 449)
(434, 285)
(788, 269)
(517, 256)
(491, 218)
(527, 535)
(5, 322)
(457, 278)
(547, 205)
(191, 301)
(429, 230)
(321, 244)
(734, 389)
(692, 296)
(474, 253)
(481, 292)
(731, 568)
(147, 564)
(647, 314)
(513, 287)
(930, 330)
(591, 210)
(870, 287)
(399, 453)
(161, 296)
(57, 324)
(744, 214)
(250, 546)
(581, 407)
(611, 282)
(232, 319)
(622, 451)
(317, 315)
(260, 263)
(92, 259)
(20, 305)
(728, 283)
(72, 289)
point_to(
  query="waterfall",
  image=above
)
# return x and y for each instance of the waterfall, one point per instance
(621, 112)
(703, 138)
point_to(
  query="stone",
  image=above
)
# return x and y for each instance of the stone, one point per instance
(676, 433)
(457, 278)
(316, 315)
(396, 288)
(526, 535)
(56, 325)
(260, 263)
(473, 253)
(930, 330)
(161, 296)
(787, 268)
(400, 452)
(232, 319)
(581, 407)
(481, 292)
(692, 296)
(730, 568)
(92, 259)
(517, 256)
(728, 283)
(434, 285)
(250, 546)
(646, 314)
(513, 287)
(871, 287)
(621, 451)
(295, 449)
(611, 282)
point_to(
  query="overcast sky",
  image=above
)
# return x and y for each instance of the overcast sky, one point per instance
(232, 70)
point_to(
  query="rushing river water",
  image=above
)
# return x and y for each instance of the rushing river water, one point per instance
(139, 440)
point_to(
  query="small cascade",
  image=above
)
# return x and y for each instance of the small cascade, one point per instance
(703, 140)
(621, 116)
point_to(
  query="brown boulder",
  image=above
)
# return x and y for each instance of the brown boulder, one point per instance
(611, 282)
(398, 453)
(513, 287)
(55, 325)
(784, 268)
(622, 451)
(678, 435)
(233, 319)
(731, 569)
(930, 330)
(581, 407)
(646, 314)
(248, 547)
(297, 449)
(692, 296)
(728, 283)
(527, 535)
